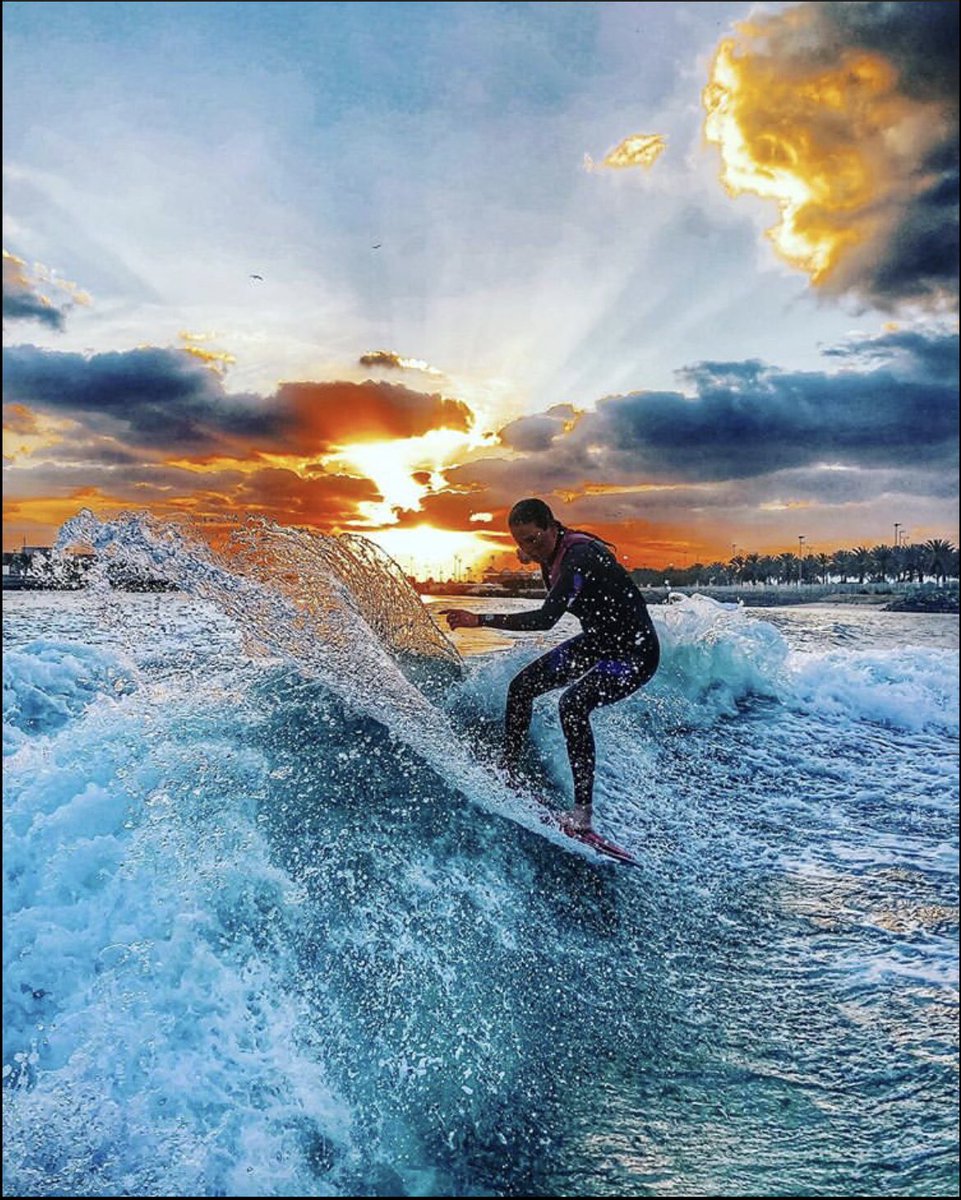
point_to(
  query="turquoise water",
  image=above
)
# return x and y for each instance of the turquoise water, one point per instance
(272, 929)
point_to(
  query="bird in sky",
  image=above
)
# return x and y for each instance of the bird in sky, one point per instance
(260, 277)
(376, 245)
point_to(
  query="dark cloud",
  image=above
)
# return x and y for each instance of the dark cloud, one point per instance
(893, 407)
(323, 500)
(22, 299)
(748, 419)
(924, 356)
(146, 398)
(165, 401)
(392, 361)
(381, 358)
(917, 257)
(921, 39)
(537, 432)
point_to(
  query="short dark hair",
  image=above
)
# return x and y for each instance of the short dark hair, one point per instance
(532, 512)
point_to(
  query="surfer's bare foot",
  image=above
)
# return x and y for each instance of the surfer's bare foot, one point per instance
(578, 820)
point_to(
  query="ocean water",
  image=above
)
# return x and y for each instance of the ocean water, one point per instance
(272, 927)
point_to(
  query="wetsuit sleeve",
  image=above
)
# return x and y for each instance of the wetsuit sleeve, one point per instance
(562, 595)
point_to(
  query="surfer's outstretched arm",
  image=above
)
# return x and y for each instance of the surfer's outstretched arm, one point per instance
(556, 603)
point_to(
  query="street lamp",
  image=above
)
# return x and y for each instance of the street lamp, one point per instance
(897, 526)
(800, 555)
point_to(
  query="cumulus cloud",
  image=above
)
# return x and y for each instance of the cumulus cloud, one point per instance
(24, 297)
(846, 116)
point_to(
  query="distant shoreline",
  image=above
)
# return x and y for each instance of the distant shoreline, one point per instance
(923, 598)
(918, 599)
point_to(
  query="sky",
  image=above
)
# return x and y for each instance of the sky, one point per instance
(688, 272)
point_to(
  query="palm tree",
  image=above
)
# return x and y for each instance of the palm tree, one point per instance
(938, 558)
(841, 564)
(768, 568)
(788, 567)
(860, 562)
(882, 557)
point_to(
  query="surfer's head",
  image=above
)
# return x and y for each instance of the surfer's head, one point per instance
(535, 529)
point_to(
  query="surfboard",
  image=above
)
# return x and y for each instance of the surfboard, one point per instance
(486, 748)
(589, 837)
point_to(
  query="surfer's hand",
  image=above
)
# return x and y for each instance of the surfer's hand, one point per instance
(460, 618)
(578, 818)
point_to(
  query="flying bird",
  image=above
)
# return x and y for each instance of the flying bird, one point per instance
(260, 277)
(377, 245)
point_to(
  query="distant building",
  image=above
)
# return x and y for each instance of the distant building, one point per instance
(514, 581)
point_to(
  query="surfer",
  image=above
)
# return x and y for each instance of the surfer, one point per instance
(616, 653)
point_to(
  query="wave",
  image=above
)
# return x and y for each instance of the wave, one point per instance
(335, 608)
(257, 944)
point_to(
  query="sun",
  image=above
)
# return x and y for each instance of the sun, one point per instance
(429, 553)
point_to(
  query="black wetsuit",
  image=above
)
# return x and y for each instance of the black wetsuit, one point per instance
(617, 652)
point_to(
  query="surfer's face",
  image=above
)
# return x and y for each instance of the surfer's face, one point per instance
(533, 543)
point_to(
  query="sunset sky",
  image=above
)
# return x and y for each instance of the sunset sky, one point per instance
(689, 272)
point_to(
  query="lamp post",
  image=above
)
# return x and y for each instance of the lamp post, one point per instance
(800, 555)
(897, 526)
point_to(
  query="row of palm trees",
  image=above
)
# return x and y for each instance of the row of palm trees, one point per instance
(920, 562)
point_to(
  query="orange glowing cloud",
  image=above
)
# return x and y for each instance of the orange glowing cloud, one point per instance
(825, 122)
(26, 431)
(324, 501)
(42, 515)
(328, 415)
